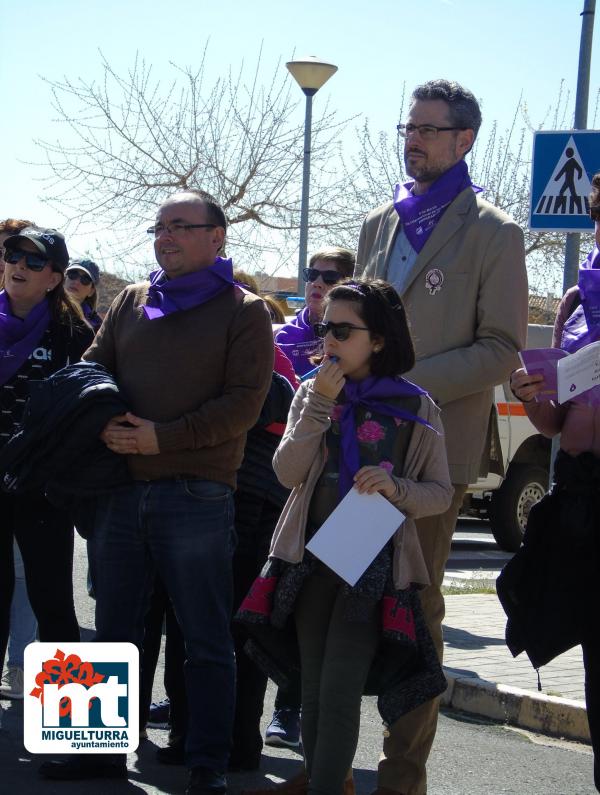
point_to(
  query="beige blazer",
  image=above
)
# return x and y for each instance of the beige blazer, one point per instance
(467, 303)
(423, 490)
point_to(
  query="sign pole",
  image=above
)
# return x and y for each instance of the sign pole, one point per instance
(571, 268)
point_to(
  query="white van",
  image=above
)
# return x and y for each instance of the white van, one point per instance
(522, 458)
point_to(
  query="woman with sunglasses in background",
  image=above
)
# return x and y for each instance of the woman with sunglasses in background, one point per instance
(82, 278)
(357, 424)
(41, 330)
(297, 339)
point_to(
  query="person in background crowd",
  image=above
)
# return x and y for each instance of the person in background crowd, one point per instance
(192, 329)
(299, 342)
(82, 279)
(571, 512)
(458, 264)
(23, 626)
(297, 339)
(276, 312)
(41, 330)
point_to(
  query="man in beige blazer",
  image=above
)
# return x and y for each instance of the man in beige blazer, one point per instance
(459, 265)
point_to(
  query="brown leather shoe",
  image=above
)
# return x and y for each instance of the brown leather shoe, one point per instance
(298, 785)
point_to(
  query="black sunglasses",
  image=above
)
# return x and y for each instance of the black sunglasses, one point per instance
(341, 331)
(329, 277)
(35, 262)
(73, 276)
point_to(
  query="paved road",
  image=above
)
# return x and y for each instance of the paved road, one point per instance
(470, 757)
(475, 556)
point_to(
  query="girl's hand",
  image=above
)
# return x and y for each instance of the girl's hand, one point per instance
(330, 380)
(370, 479)
(524, 386)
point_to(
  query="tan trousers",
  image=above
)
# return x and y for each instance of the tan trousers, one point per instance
(405, 751)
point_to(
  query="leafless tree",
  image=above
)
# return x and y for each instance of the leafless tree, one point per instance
(129, 141)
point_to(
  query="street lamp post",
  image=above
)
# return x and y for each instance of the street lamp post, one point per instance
(310, 74)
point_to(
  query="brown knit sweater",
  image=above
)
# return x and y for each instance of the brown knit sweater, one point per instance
(201, 375)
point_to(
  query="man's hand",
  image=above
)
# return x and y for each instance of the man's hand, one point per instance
(127, 434)
(370, 479)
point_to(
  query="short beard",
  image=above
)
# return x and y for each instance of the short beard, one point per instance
(424, 174)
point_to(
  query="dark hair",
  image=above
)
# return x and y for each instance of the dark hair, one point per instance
(343, 259)
(595, 197)
(379, 306)
(214, 212)
(462, 106)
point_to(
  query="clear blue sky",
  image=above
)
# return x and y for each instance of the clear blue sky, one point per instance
(497, 48)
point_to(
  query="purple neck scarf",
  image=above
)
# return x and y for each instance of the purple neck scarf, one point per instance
(166, 296)
(420, 214)
(19, 337)
(299, 343)
(371, 392)
(583, 325)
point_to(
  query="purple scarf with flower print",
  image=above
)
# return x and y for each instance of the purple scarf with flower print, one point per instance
(371, 392)
(19, 336)
(583, 325)
(420, 214)
(166, 296)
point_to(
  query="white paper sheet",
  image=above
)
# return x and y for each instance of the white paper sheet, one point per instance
(354, 533)
(579, 372)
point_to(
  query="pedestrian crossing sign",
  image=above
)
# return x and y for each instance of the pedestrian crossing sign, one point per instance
(564, 162)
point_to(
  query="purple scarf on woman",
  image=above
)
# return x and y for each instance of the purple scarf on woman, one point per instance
(420, 214)
(166, 296)
(583, 325)
(19, 336)
(372, 393)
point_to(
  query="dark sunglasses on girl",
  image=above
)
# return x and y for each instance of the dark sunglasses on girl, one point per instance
(35, 262)
(341, 331)
(78, 275)
(329, 277)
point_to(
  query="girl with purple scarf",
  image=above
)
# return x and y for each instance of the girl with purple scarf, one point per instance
(572, 509)
(357, 424)
(41, 331)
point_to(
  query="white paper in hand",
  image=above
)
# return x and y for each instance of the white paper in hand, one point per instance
(354, 534)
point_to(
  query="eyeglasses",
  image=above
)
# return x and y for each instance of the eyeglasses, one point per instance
(176, 228)
(35, 262)
(329, 277)
(341, 331)
(428, 132)
(74, 276)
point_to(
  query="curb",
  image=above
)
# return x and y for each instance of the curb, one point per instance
(537, 712)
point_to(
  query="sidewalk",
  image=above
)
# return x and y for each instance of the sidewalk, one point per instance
(486, 680)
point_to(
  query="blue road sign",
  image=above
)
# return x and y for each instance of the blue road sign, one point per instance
(564, 162)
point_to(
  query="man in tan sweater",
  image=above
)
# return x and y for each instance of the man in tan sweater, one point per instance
(193, 353)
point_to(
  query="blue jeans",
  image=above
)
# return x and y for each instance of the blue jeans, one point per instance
(184, 530)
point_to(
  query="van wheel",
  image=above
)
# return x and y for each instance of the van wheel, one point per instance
(524, 485)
